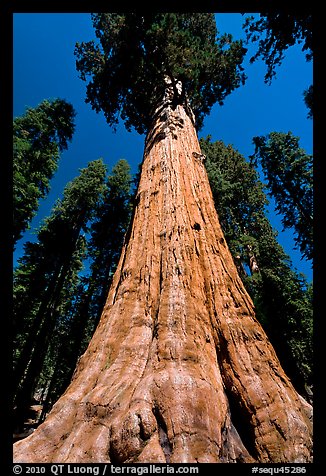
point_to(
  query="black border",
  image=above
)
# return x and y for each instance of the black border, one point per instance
(6, 101)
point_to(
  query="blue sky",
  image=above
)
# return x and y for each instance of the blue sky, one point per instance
(44, 68)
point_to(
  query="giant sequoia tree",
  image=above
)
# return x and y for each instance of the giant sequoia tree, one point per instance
(179, 369)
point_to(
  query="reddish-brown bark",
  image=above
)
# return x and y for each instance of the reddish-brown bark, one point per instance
(179, 369)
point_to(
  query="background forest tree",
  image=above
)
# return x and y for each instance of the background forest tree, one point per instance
(104, 243)
(38, 138)
(289, 173)
(247, 243)
(282, 297)
(44, 281)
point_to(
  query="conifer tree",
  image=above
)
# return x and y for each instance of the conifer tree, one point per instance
(289, 173)
(108, 229)
(281, 296)
(39, 136)
(51, 262)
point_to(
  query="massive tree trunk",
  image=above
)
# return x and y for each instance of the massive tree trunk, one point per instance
(179, 369)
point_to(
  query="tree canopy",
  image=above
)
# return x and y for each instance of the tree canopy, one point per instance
(136, 52)
(276, 31)
(289, 172)
(38, 138)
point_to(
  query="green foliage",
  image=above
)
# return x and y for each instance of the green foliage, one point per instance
(79, 200)
(275, 32)
(281, 296)
(57, 240)
(46, 276)
(38, 138)
(109, 228)
(135, 52)
(289, 172)
(238, 195)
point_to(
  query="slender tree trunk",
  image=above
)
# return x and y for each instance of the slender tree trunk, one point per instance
(179, 369)
(103, 294)
(38, 322)
(24, 395)
(49, 394)
(37, 343)
(48, 303)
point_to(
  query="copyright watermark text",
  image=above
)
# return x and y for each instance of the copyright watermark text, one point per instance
(103, 469)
